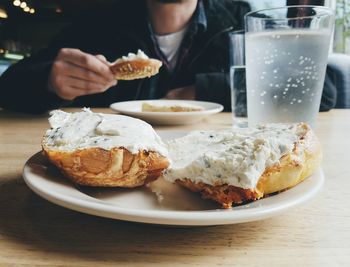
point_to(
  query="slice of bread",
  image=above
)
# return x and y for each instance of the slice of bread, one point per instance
(135, 66)
(104, 150)
(232, 168)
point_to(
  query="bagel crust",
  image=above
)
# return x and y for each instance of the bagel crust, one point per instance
(108, 168)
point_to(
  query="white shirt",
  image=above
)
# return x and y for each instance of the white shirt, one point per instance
(169, 44)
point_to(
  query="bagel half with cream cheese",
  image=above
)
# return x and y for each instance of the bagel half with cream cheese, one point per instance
(106, 150)
(233, 167)
(135, 66)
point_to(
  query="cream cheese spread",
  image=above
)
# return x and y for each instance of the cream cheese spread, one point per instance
(131, 56)
(169, 106)
(85, 129)
(235, 157)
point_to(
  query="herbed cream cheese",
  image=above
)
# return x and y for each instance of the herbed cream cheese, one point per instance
(131, 56)
(85, 129)
(234, 157)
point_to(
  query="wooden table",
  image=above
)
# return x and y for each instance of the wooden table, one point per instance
(34, 232)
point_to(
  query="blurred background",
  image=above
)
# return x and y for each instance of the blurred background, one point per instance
(27, 26)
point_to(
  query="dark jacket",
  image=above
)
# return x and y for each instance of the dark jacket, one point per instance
(124, 28)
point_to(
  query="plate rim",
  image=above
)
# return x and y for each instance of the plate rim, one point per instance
(93, 206)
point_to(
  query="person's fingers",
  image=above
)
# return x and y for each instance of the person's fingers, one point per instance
(74, 71)
(86, 87)
(59, 85)
(102, 58)
(72, 90)
(90, 62)
(68, 93)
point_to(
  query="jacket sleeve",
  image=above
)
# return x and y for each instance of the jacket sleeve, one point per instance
(329, 94)
(213, 87)
(23, 87)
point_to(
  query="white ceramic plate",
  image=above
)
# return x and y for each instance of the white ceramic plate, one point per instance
(133, 108)
(178, 206)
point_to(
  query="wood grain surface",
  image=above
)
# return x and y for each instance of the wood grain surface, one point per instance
(34, 232)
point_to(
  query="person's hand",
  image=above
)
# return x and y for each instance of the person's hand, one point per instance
(188, 93)
(75, 73)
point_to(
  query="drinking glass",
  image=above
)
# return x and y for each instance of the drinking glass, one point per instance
(286, 57)
(237, 78)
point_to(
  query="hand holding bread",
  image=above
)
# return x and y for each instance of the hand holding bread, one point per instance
(75, 73)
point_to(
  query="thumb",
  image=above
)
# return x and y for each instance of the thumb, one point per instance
(102, 58)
